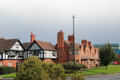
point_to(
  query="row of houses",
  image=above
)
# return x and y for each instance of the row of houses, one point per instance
(13, 52)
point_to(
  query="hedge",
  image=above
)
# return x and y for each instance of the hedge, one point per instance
(6, 70)
(69, 67)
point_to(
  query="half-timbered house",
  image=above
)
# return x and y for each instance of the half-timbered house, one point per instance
(11, 52)
(41, 49)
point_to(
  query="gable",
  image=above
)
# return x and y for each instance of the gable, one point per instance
(17, 46)
(34, 46)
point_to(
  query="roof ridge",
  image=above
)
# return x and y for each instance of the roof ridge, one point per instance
(44, 41)
(9, 39)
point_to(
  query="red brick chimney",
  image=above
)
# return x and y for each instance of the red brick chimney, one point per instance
(32, 36)
(60, 47)
(60, 39)
(71, 38)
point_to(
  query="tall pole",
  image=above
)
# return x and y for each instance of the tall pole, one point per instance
(74, 43)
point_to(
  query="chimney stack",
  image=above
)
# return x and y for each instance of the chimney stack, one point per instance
(32, 37)
(60, 39)
(71, 38)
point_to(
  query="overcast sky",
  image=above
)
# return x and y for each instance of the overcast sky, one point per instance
(95, 20)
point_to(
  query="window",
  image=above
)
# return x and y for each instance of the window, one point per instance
(77, 61)
(1, 64)
(0, 56)
(53, 53)
(10, 64)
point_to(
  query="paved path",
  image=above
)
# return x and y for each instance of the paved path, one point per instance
(104, 77)
(97, 77)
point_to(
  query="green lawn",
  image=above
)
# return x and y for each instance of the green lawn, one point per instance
(102, 70)
(12, 75)
(94, 71)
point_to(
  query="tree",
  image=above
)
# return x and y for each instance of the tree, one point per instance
(31, 69)
(117, 58)
(107, 55)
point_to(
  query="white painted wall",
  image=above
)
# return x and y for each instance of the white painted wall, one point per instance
(5, 56)
(49, 54)
(17, 47)
(35, 47)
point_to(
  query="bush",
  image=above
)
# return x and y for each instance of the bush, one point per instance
(57, 72)
(78, 77)
(31, 69)
(34, 69)
(6, 70)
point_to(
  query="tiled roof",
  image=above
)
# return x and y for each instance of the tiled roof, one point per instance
(70, 44)
(45, 45)
(7, 44)
(26, 45)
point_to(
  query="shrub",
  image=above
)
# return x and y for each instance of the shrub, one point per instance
(6, 70)
(69, 67)
(57, 72)
(78, 77)
(31, 69)
(34, 69)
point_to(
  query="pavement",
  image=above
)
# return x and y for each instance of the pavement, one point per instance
(104, 77)
(94, 77)
(8, 79)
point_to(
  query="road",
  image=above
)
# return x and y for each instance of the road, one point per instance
(104, 77)
(97, 77)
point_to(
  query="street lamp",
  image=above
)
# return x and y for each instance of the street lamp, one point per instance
(74, 42)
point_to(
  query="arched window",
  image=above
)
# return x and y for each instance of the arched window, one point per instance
(10, 64)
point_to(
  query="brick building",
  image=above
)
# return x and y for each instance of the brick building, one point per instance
(13, 52)
(85, 53)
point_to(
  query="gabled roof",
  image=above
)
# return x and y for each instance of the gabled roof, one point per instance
(7, 44)
(26, 45)
(45, 45)
(70, 44)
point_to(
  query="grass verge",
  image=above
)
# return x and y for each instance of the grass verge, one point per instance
(112, 69)
(11, 75)
(94, 71)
